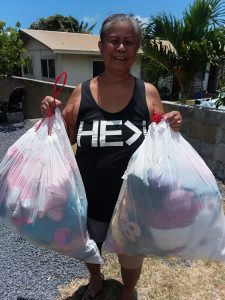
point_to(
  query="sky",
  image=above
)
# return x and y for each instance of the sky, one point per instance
(28, 11)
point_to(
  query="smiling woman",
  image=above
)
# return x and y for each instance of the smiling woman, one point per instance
(119, 47)
(107, 116)
(119, 44)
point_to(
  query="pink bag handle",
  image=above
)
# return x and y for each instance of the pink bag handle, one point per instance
(55, 95)
(57, 92)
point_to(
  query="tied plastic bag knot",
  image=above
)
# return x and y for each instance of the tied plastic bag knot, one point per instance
(156, 117)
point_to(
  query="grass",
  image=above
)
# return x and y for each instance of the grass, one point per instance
(161, 279)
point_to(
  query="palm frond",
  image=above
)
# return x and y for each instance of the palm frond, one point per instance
(202, 16)
(165, 27)
(217, 15)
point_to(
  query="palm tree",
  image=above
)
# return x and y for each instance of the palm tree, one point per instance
(184, 46)
(83, 27)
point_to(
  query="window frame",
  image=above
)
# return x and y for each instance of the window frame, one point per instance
(47, 59)
(28, 66)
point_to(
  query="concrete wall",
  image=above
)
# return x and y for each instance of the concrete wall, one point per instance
(204, 129)
(35, 91)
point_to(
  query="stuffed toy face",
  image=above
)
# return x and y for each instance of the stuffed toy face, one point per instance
(56, 200)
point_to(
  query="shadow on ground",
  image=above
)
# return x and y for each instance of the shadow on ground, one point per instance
(111, 291)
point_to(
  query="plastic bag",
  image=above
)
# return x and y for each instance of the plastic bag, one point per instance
(169, 203)
(42, 196)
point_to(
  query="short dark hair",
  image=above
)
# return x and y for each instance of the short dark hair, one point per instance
(109, 21)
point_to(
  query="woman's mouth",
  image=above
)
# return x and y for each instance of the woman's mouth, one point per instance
(120, 58)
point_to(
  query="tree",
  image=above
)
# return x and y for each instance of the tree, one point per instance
(184, 46)
(61, 23)
(221, 87)
(11, 50)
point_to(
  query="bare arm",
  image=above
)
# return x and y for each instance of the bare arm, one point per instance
(153, 99)
(70, 113)
(155, 104)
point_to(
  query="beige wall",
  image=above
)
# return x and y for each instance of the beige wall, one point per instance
(37, 51)
(78, 68)
(136, 68)
(204, 128)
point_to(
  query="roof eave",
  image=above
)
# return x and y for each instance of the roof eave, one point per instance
(81, 52)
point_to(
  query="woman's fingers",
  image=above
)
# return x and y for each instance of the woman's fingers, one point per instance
(175, 120)
(48, 105)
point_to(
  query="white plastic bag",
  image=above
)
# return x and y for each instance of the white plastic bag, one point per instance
(42, 196)
(169, 204)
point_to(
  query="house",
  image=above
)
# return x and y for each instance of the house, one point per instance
(51, 52)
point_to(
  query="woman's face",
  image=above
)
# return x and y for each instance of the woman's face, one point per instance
(119, 47)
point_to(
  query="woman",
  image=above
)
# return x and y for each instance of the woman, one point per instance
(107, 117)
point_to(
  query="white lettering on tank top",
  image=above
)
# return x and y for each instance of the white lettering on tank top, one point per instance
(93, 133)
(106, 132)
(135, 136)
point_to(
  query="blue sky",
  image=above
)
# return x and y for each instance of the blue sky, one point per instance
(28, 11)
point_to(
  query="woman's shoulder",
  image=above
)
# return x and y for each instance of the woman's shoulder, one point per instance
(78, 87)
(150, 88)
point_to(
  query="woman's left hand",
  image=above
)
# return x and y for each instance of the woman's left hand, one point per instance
(175, 120)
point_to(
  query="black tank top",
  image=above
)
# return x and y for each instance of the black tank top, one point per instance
(105, 143)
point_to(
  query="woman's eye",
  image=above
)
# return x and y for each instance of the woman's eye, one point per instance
(128, 43)
(114, 42)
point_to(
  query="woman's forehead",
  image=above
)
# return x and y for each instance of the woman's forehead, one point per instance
(121, 27)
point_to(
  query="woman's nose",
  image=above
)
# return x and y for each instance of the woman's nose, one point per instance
(121, 47)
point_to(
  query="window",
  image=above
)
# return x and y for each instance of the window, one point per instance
(48, 68)
(28, 67)
(98, 68)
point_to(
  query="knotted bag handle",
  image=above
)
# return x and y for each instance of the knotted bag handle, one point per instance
(156, 117)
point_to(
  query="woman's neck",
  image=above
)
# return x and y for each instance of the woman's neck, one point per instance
(108, 77)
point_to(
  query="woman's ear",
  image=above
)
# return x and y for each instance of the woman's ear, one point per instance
(100, 46)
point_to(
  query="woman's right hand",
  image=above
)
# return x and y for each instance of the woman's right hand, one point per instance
(48, 105)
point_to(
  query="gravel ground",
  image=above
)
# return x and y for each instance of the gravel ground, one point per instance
(28, 272)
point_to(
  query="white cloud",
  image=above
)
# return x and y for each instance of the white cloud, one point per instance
(143, 20)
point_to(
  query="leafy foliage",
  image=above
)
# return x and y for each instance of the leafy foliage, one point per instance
(11, 50)
(221, 100)
(184, 46)
(221, 86)
(60, 23)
